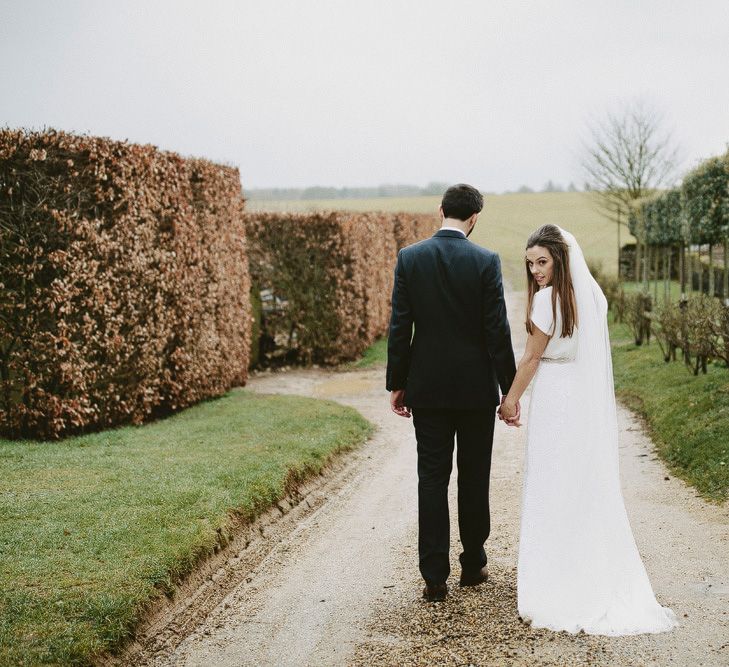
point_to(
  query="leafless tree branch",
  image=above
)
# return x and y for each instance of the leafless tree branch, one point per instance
(627, 157)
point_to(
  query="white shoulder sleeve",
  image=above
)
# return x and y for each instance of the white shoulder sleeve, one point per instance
(542, 311)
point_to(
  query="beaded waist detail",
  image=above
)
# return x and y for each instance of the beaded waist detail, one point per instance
(562, 360)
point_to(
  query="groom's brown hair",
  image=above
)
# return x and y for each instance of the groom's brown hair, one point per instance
(461, 201)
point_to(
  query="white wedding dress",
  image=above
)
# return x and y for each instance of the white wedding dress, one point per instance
(579, 567)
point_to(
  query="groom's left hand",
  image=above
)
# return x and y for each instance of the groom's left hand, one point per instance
(397, 403)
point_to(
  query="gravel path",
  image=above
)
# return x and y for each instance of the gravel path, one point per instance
(341, 586)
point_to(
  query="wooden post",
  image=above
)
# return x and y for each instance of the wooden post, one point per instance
(725, 280)
(682, 269)
(699, 270)
(667, 272)
(711, 270)
(619, 271)
(689, 269)
(655, 274)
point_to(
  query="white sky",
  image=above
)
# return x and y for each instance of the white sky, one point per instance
(355, 92)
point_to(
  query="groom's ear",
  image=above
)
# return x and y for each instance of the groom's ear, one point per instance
(472, 223)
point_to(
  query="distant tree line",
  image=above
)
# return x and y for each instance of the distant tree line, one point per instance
(321, 192)
(386, 190)
(549, 186)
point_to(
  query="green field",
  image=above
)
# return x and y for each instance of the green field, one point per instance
(94, 527)
(504, 225)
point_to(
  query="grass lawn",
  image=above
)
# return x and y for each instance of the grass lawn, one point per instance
(504, 225)
(375, 354)
(687, 416)
(93, 527)
(674, 290)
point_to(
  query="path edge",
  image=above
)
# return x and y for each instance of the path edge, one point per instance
(167, 620)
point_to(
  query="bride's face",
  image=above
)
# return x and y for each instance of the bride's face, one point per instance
(541, 264)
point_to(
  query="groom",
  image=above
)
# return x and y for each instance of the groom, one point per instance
(447, 374)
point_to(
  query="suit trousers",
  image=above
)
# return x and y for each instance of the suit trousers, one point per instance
(435, 429)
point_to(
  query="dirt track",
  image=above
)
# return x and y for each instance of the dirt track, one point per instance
(334, 581)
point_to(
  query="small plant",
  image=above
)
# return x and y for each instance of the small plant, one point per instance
(611, 288)
(637, 315)
(619, 306)
(667, 328)
(700, 342)
(721, 334)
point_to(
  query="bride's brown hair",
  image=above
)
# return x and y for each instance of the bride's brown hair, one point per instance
(549, 237)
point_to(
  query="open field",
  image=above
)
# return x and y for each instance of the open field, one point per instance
(94, 527)
(504, 225)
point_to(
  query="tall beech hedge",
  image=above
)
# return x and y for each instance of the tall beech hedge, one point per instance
(325, 280)
(124, 284)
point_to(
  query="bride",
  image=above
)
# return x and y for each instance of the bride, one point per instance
(579, 567)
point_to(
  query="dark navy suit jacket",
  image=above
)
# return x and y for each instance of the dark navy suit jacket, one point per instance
(450, 292)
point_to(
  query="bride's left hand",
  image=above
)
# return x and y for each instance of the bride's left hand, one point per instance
(510, 412)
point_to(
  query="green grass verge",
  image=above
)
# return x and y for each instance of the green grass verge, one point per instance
(374, 355)
(93, 527)
(687, 416)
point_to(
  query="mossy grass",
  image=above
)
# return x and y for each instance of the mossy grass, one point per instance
(687, 415)
(374, 355)
(94, 527)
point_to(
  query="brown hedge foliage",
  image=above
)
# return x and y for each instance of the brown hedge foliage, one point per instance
(123, 282)
(326, 280)
(410, 228)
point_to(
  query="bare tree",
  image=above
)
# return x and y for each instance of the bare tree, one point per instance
(628, 156)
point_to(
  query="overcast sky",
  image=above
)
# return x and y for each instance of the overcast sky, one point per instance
(355, 92)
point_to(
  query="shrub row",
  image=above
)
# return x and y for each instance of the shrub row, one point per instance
(696, 213)
(325, 280)
(124, 285)
(698, 326)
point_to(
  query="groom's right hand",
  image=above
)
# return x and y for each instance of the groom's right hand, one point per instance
(397, 403)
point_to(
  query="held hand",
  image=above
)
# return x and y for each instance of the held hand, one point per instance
(510, 412)
(397, 403)
(518, 414)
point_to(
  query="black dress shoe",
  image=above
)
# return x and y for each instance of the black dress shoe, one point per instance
(435, 592)
(473, 577)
